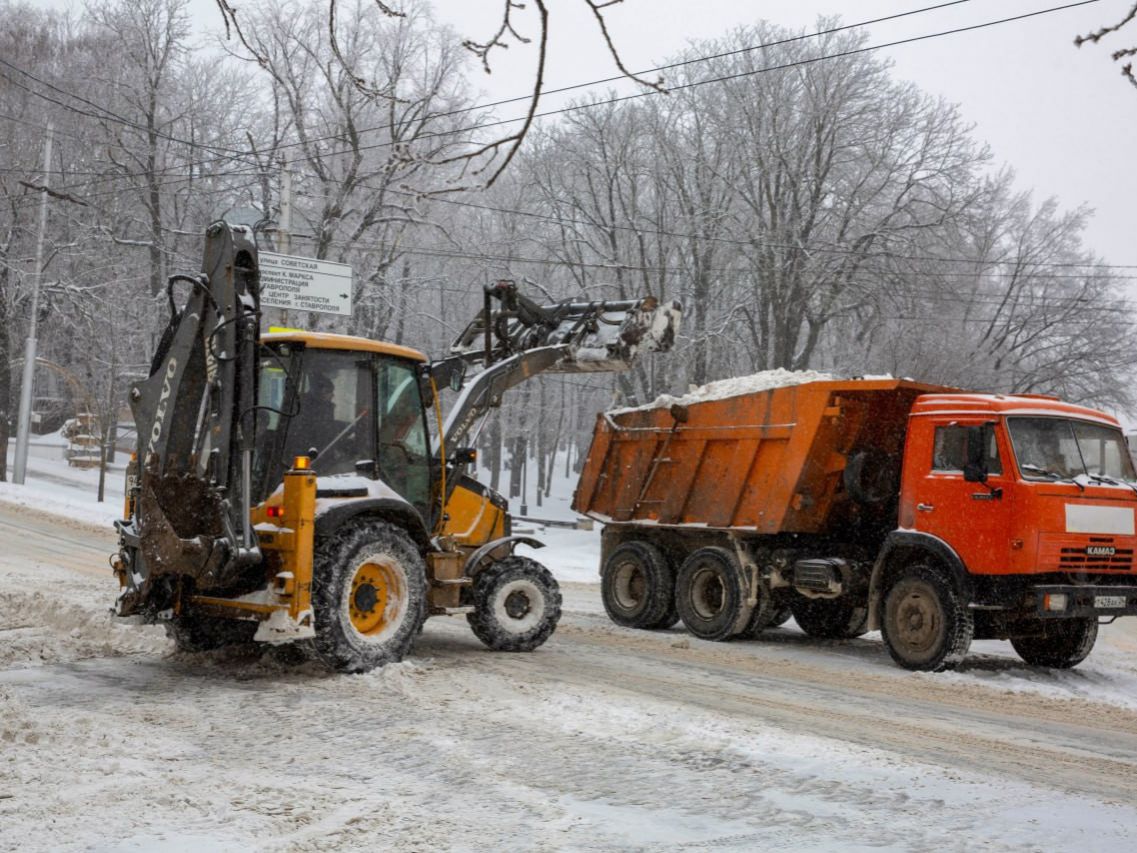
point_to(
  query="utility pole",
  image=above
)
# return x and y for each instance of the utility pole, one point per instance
(24, 421)
(284, 229)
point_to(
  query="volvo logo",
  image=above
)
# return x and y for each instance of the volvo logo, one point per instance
(160, 415)
(1100, 550)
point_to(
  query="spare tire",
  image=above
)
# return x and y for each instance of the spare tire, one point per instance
(872, 477)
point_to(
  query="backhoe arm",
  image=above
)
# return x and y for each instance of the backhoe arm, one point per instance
(195, 416)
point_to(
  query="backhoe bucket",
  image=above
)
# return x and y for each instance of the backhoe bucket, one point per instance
(597, 336)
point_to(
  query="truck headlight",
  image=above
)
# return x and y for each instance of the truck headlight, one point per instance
(1054, 601)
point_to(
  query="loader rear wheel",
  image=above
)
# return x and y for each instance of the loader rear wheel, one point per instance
(369, 596)
(927, 625)
(204, 633)
(1060, 643)
(829, 618)
(709, 594)
(637, 587)
(517, 604)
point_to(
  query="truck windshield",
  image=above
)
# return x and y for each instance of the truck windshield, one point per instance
(1060, 449)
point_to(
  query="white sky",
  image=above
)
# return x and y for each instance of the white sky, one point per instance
(1062, 116)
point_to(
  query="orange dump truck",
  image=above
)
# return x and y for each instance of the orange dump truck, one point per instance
(934, 515)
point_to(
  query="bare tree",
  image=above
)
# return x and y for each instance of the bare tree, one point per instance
(485, 160)
(1125, 53)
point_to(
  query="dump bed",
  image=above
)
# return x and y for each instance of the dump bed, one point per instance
(770, 461)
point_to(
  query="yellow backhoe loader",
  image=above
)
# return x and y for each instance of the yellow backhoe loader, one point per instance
(290, 488)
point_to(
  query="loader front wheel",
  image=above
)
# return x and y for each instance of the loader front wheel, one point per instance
(369, 596)
(1059, 643)
(517, 604)
(637, 587)
(710, 596)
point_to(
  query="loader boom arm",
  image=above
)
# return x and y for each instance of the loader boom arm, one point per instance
(523, 339)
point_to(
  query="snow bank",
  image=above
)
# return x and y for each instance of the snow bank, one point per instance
(37, 627)
(734, 387)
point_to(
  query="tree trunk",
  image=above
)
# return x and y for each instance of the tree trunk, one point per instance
(493, 457)
(5, 369)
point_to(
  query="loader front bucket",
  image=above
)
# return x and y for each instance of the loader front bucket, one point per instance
(597, 336)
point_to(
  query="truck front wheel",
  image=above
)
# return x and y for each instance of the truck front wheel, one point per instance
(637, 587)
(517, 605)
(1060, 643)
(709, 594)
(927, 625)
(369, 596)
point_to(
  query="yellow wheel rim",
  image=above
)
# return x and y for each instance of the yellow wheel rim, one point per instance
(374, 598)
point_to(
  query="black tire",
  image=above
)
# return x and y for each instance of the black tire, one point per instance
(782, 613)
(1060, 643)
(927, 625)
(670, 620)
(770, 616)
(205, 633)
(871, 476)
(368, 596)
(829, 618)
(710, 596)
(637, 587)
(517, 604)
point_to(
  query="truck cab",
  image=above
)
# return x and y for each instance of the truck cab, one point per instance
(1027, 502)
(1048, 492)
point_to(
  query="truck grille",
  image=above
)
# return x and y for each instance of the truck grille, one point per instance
(1077, 558)
(1082, 554)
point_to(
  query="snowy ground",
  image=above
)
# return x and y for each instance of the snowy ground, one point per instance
(605, 738)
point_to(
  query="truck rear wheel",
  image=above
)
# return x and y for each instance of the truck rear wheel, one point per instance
(781, 615)
(1061, 643)
(762, 618)
(926, 624)
(709, 594)
(517, 605)
(637, 587)
(829, 618)
(368, 595)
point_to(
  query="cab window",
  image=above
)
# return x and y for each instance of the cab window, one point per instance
(949, 452)
(332, 412)
(404, 452)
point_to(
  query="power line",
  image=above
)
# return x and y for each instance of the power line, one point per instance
(459, 253)
(729, 77)
(592, 104)
(109, 113)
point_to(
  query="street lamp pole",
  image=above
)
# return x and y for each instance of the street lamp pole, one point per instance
(24, 421)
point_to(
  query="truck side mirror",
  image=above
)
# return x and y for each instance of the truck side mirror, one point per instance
(975, 468)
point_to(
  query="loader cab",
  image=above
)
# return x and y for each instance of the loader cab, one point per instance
(354, 405)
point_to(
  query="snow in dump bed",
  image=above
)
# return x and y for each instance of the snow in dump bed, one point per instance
(735, 387)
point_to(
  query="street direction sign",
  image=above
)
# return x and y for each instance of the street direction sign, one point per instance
(305, 284)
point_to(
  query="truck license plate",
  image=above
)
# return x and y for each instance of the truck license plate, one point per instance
(1106, 602)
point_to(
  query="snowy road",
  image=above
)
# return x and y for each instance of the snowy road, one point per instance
(605, 738)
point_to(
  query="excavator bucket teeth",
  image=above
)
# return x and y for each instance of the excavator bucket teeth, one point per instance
(180, 520)
(595, 336)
